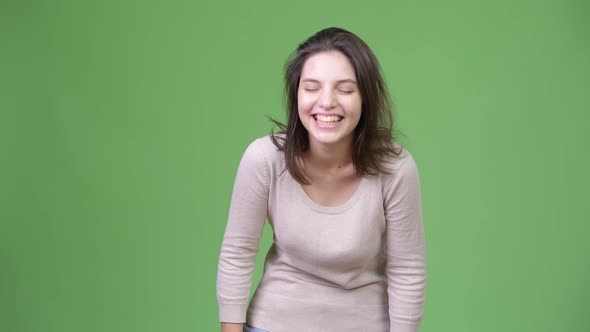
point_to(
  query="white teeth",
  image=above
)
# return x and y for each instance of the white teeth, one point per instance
(327, 118)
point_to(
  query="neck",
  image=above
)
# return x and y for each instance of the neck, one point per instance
(329, 156)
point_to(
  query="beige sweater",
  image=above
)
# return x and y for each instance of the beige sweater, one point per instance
(355, 267)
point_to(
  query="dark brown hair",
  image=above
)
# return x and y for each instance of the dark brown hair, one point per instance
(373, 139)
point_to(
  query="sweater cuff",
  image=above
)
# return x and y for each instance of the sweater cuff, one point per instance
(403, 327)
(232, 313)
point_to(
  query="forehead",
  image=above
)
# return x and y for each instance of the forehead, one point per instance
(328, 66)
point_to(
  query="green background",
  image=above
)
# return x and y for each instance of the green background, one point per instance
(123, 122)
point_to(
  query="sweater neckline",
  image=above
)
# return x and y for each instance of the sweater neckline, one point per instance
(331, 209)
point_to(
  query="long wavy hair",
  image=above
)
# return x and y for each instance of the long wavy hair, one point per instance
(373, 138)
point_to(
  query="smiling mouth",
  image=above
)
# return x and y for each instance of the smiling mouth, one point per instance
(327, 119)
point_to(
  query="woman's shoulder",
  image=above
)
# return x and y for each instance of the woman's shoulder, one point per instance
(400, 164)
(264, 147)
(260, 160)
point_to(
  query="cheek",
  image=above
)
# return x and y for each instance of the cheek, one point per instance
(304, 103)
(354, 106)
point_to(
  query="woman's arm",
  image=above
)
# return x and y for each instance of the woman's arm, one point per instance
(232, 327)
(406, 248)
(245, 224)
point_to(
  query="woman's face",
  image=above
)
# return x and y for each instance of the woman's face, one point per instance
(329, 101)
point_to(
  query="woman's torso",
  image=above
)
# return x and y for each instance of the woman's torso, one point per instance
(326, 265)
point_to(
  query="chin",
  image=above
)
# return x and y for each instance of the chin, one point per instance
(329, 139)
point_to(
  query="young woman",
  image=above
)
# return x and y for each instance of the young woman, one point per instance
(343, 200)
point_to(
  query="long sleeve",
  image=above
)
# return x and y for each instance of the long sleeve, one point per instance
(245, 224)
(406, 248)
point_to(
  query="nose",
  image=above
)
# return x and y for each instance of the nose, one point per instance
(327, 100)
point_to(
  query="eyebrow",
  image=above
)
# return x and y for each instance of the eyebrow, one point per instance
(348, 80)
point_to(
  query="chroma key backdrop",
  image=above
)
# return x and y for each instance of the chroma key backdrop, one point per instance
(122, 124)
